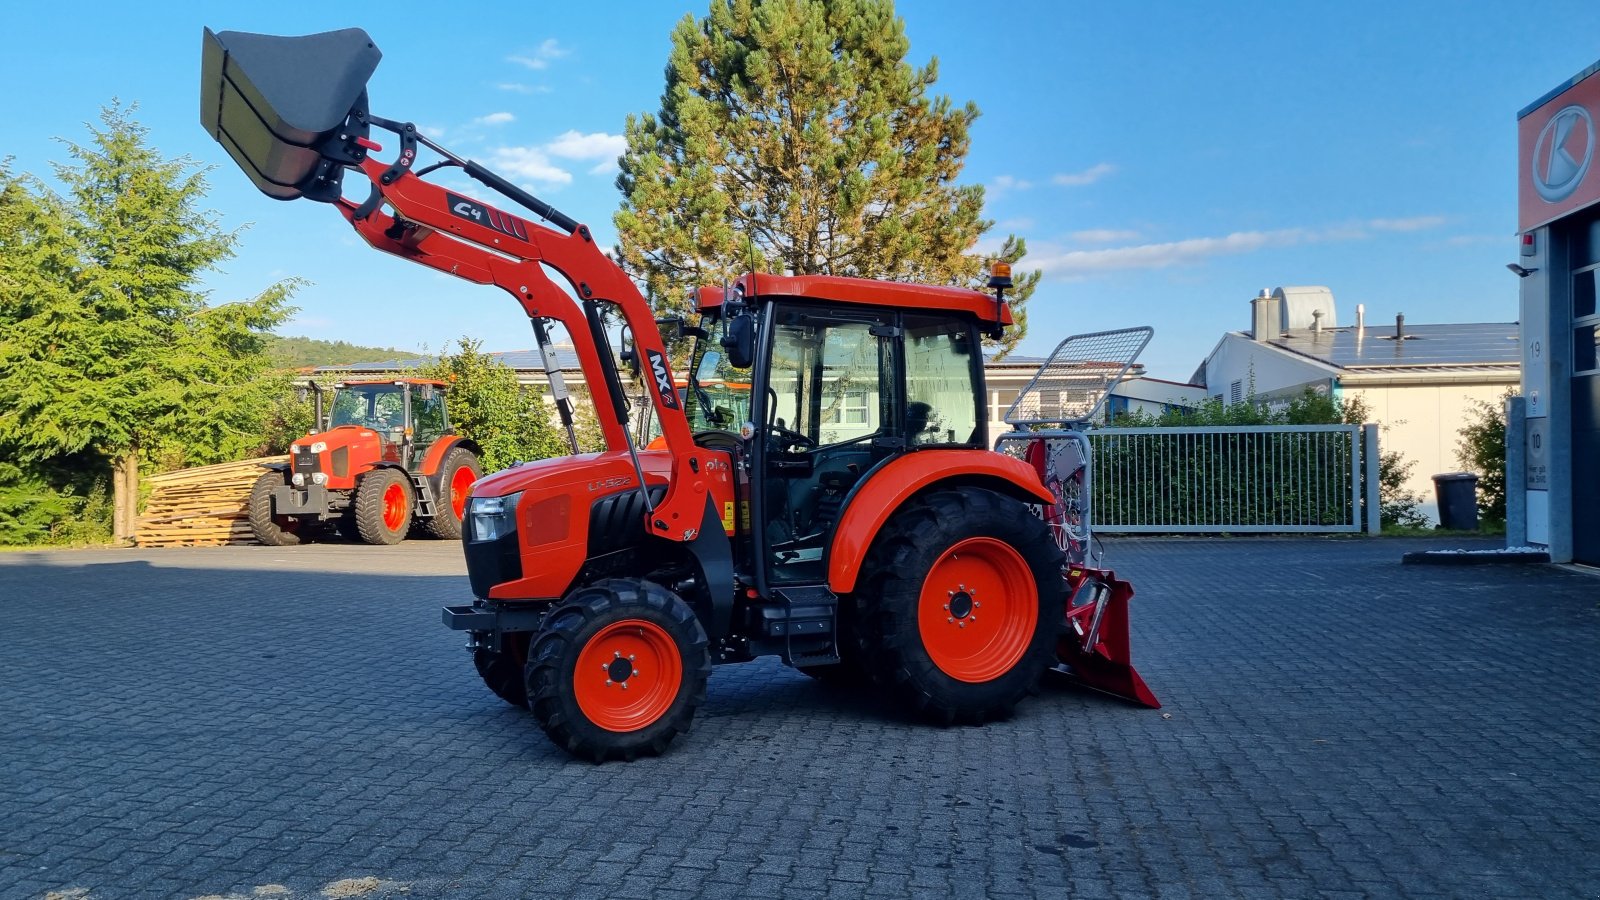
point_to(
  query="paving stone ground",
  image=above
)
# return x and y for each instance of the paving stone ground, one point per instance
(296, 723)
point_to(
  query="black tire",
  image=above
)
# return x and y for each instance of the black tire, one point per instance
(502, 671)
(924, 533)
(377, 519)
(274, 531)
(445, 523)
(597, 615)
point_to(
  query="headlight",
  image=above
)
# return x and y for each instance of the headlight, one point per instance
(299, 479)
(319, 477)
(493, 517)
(319, 447)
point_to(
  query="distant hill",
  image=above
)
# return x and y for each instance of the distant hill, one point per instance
(297, 352)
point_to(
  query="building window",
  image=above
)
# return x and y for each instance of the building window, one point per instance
(851, 410)
(1236, 392)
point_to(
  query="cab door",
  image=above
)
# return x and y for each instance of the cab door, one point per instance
(828, 410)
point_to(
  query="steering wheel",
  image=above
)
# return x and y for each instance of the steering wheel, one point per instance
(791, 438)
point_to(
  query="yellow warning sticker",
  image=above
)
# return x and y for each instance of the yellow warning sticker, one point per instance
(727, 516)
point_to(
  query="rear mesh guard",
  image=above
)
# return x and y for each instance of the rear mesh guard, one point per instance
(1050, 418)
(1073, 384)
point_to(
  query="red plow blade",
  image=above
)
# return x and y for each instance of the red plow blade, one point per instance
(1094, 650)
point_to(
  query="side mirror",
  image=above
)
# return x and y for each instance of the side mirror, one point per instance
(740, 341)
(630, 355)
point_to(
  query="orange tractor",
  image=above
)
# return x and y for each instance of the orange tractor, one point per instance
(825, 492)
(386, 460)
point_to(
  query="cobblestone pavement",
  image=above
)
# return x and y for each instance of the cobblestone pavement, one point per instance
(297, 723)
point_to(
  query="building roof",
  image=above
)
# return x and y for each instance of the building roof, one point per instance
(1468, 344)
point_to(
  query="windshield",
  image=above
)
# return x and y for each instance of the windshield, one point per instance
(377, 406)
(718, 398)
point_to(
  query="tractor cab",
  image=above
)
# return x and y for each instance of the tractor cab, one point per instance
(835, 383)
(405, 414)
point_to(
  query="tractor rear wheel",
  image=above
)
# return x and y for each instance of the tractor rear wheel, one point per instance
(456, 475)
(502, 670)
(618, 670)
(274, 531)
(383, 506)
(960, 605)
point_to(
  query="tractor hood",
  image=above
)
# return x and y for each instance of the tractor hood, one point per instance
(598, 473)
(279, 105)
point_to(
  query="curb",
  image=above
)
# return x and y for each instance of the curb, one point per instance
(1471, 558)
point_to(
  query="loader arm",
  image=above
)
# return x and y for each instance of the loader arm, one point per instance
(425, 223)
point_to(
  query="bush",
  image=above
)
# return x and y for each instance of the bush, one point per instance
(1482, 450)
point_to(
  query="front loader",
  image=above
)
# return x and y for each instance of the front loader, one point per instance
(823, 490)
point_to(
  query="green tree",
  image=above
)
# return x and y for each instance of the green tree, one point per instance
(1481, 448)
(793, 136)
(108, 348)
(488, 405)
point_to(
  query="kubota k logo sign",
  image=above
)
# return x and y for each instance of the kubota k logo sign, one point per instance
(1562, 154)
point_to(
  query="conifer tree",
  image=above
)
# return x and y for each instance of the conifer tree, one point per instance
(107, 345)
(793, 136)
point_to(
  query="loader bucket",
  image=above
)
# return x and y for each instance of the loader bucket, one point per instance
(273, 101)
(1094, 650)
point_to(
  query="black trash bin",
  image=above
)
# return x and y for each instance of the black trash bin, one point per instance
(1458, 500)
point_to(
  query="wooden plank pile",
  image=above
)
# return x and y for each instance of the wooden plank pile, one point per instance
(200, 507)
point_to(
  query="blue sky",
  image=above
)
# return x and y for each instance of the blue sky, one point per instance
(1165, 161)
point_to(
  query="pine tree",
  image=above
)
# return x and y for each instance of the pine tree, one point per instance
(108, 347)
(794, 137)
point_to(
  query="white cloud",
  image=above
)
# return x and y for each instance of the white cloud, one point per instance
(540, 58)
(1004, 183)
(1195, 250)
(1103, 235)
(575, 145)
(1087, 176)
(1161, 256)
(497, 118)
(517, 87)
(1414, 223)
(529, 164)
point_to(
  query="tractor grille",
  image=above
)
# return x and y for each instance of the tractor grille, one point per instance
(304, 461)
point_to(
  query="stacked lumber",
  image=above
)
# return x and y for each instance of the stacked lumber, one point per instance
(200, 507)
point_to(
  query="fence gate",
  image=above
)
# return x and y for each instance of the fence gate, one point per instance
(1267, 478)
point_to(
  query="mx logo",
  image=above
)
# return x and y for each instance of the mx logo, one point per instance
(1562, 154)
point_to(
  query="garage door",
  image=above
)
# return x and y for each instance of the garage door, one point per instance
(1585, 418)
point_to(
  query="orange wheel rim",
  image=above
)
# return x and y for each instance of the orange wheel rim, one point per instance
(460, 484)
(628, 675)
(394, 506)
(978, 610)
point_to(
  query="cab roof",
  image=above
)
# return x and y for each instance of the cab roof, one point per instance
(435, 383)
(864, 291)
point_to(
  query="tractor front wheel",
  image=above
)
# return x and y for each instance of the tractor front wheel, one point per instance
(269, 529)
(960, 605)
(456, 475)
(383, 506)
(618, 670)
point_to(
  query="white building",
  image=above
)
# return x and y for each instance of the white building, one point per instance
(1418, 381)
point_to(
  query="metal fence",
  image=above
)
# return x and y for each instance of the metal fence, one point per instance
(1291, 478)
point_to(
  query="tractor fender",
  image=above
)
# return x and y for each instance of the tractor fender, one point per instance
(887, 488)
(434, 458)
